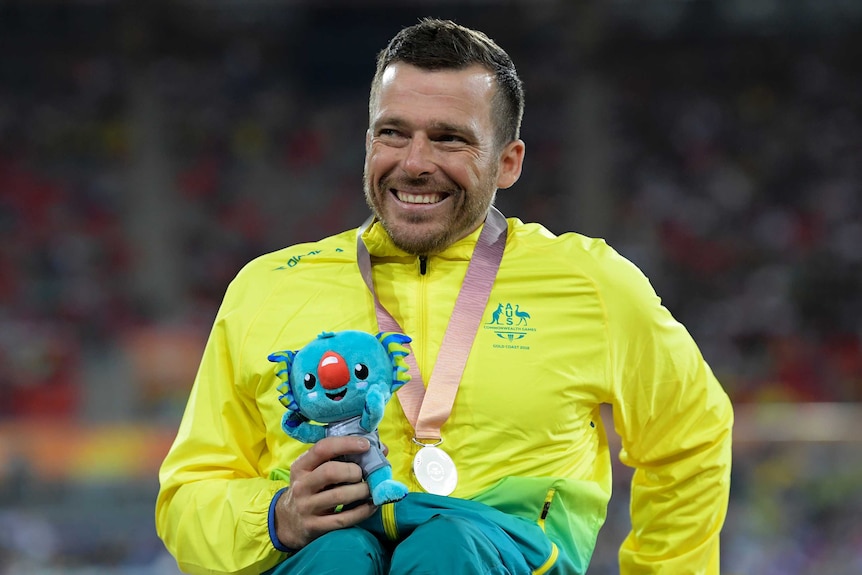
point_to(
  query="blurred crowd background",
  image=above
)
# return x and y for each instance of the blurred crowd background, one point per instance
(149, 149)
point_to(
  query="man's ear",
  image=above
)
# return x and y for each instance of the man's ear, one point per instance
(511, 162)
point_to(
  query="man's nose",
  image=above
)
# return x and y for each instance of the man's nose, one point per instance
(420, 157)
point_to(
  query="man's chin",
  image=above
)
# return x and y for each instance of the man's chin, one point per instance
(417, 241)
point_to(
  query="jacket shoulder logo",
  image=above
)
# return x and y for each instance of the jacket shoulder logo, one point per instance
(294, 260)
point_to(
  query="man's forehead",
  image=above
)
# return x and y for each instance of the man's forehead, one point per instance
(478, 75)
(446, 100)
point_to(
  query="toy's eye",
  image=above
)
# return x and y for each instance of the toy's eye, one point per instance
(360, 371)
(309, 381)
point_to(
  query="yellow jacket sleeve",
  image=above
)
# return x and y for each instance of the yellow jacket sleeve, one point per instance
(213, 505)
(675, 422)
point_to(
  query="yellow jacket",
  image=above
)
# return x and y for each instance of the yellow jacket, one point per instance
(570, 325)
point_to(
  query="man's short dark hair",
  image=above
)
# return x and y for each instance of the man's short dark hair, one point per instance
(435, 44)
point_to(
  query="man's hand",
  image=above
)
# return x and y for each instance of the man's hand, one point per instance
(318, 485)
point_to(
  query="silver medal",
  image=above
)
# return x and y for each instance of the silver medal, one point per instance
(435, 471)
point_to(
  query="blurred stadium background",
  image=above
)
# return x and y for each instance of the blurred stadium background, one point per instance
(149, 149)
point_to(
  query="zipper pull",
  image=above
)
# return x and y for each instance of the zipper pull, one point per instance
(423, 265)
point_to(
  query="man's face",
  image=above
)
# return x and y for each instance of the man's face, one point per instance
(432, 165)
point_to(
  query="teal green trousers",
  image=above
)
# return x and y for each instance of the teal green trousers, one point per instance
(352, 550)
(430, 535)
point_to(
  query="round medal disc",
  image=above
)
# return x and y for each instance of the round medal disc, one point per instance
(435, 471)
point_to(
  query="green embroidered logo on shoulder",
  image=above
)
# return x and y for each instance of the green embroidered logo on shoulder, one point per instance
(294, 260)
(510, 324)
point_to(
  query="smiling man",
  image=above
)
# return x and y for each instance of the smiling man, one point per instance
(434, 159)
(518, 336)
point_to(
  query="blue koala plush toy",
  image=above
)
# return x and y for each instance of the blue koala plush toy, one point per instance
(339, 384)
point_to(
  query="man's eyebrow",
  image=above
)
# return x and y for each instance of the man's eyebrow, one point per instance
(446, 127)
(392, 121)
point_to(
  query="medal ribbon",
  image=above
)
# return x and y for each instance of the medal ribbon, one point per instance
(428, 409)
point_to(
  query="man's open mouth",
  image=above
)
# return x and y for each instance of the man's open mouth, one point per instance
(425, 198)
(337, 396)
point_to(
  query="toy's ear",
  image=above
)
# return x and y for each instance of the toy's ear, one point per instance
(394, 344)
(284, 359)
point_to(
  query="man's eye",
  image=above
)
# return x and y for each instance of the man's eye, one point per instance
(450, 138)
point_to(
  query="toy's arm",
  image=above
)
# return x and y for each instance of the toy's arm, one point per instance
(296, 426)
(375, 402)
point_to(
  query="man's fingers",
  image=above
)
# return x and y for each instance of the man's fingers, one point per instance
(346, 518)
(354, 515)
(329, 474)
(319, 483)
(329, 499)
(332, 484)
(320, 524)
(332, 447)
(327, 449)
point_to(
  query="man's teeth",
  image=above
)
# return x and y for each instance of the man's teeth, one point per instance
(418, 198)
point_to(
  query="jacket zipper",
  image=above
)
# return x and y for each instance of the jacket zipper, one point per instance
(421, 327)
(555, 551)
(546, 507)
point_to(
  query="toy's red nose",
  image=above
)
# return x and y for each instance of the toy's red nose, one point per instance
(332, 371)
